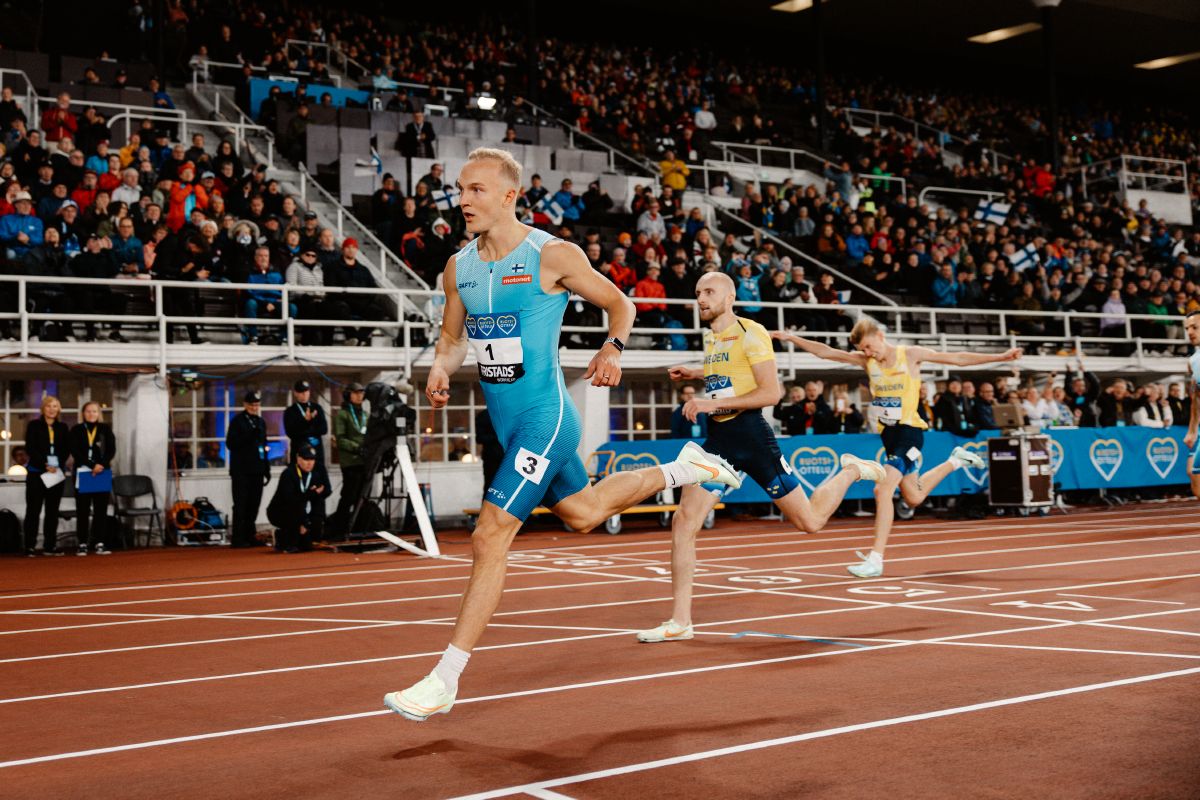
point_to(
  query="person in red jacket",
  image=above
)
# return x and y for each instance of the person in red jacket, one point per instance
(185, 196)
(619, 272)
(58, 121)
(85, 193)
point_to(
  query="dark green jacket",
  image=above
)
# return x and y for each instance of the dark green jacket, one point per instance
(349, 435)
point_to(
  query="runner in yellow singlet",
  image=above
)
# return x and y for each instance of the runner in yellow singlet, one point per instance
(894, 372)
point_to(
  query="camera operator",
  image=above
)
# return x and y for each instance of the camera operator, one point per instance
(349, 431)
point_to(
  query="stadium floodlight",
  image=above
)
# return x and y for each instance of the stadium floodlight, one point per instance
(1001, 34)
(485, 102)
(792, 6)
(1169, 61)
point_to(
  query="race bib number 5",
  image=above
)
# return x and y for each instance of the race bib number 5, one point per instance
(530, 465)
(496, 339)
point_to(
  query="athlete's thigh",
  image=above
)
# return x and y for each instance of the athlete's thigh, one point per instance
(910, 483)
(570, 495)
(533, 463)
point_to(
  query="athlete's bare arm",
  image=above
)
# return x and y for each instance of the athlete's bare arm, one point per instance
(768, 392)
(916, 355)
(451, 348)
(821, 350)
(1189, 440)
(682, 372)
(565, 265)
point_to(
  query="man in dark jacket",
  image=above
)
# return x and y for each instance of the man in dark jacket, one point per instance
(349, 273)
(1181, 405)
(418, 139)
(681, 427)
(1116, 406)
(304, 422)
(298, 506)
(249, 467)
(950, 412)
(1083, 389)
(983, 416)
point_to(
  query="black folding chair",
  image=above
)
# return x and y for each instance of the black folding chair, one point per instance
(129, 488)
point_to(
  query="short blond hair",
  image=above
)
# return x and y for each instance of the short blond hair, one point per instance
(863, 328)
(509, 166)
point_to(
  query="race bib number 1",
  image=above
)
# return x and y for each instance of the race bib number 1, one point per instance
(496, 339)
(531, 465)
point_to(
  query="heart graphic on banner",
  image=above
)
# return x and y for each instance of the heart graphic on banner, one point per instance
(976, 476)
(487, 325)
(813, 465)
(1056, 456)
(631, 461)
(506, 323)
(1162, 452)
(471, 326)
(1106, 456)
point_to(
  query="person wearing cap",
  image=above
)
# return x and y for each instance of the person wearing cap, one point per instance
(20, 230)
(51, 202)
(97, 261)
(310, 231)
(297, 509)
(306, 272)
(349, 432)
(348, 273)
(249, 467)
(304, 421)
(185, 196)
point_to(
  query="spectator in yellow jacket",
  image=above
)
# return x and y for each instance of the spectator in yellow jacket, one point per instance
(674, 171)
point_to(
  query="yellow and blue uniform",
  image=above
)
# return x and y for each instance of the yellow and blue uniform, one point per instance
(513, 328)
(895, 395)
(743, 437)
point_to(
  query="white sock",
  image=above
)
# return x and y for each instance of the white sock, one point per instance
(874, 559)
(956, 462)
(453, 662)
(677, 474)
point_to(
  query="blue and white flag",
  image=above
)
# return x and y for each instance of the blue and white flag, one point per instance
(551, 209)
(446, 198)
(1025, 258)
(376, 162)
(992, 212)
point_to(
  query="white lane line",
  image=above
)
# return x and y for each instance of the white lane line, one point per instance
(1147, 630)
(546, 794)
(1086, 650)
(1124, 599)
(953, 585)
(742, 543)
(822, 734)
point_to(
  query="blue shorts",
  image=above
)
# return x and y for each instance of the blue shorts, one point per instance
(541, 463)
(1195, 468)
(899, 444)
(748, 443)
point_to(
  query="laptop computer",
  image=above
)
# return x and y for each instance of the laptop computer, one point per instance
(1008, 416)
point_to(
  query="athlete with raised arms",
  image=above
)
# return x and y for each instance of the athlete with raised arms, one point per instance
(740, 380)
(506, 292)
(894, 372)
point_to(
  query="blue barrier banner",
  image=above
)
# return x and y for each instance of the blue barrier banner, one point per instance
(261, 87)
(1082, 458)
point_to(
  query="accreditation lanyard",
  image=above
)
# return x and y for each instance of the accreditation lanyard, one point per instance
(52, 457)
(359, 422)
(91, 437)
(305, 482)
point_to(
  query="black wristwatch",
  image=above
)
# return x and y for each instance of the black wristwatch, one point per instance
(615, 342)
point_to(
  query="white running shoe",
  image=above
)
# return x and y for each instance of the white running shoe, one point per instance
(669, 631)
(967, 457)
(866, 569)
(708, 468)
(422, 700)
(867, 470)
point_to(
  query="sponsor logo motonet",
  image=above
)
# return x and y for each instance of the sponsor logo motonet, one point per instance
(509, 279)
(500, 373)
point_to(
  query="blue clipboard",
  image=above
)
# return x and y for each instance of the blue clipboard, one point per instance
(87, 483)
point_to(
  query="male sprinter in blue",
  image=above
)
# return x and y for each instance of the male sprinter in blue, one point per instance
(506, 292)
(894, 372)
(740, 380)
(1191, 325)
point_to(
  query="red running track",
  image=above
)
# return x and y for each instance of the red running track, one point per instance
(1048, 658)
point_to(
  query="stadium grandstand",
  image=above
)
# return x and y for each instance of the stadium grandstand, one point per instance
(222, 225)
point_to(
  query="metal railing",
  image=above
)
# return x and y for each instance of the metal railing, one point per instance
(1144, 173)
(940, 327)
(951, 190)
(763, 154)
(919, 129)
(345, 221)
(334, 56)
(737, 169)
(188, 124)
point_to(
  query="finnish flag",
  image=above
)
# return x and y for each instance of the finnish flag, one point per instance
(446, 198)
(992, 212)
(1025, 258)
(551, 209)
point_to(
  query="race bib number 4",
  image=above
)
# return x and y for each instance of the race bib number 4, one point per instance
(888, 408)
(531, 465)
(496, 339)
